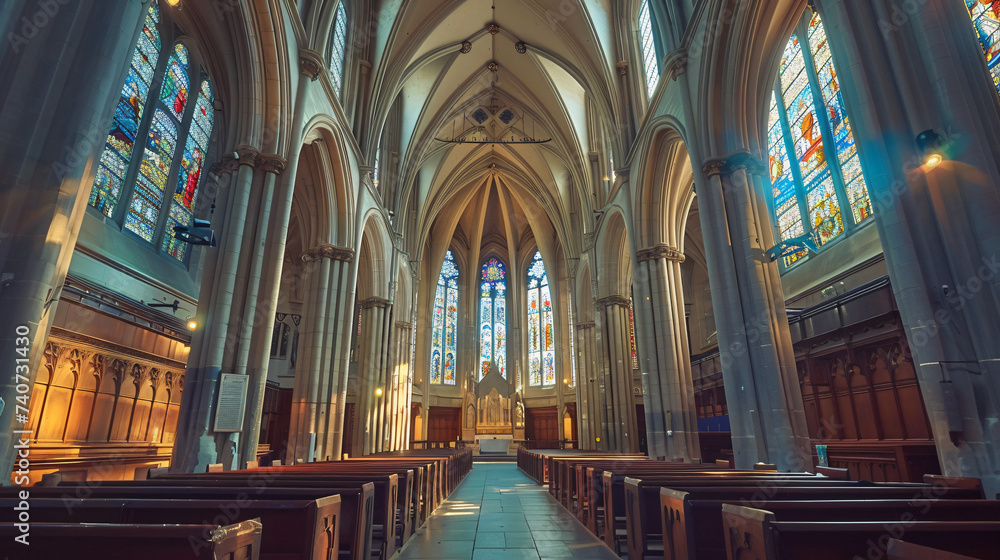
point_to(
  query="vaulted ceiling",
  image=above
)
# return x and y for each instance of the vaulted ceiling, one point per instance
(561, 88)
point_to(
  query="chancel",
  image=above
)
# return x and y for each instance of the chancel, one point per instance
(533, 278)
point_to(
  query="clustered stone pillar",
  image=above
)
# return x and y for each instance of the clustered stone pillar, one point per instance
(392, 433)
(228, 305)
(671, 414)
(938, 224)
(755, 347)
(56, 121)
(617, 396)
(318, 397)
(375, 314)
(588, 396)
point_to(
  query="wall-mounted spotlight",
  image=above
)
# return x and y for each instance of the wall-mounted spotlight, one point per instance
(192, 323)
(378, 392)
(199, 233)
(931, 147)
(173, 305)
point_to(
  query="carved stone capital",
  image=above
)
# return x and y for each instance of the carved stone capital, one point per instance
(613, 300)
(328, 252)
(713, 167)
(403, 325)
(739, 160)
(226, 164)
(676, 63)
(375, 302)
(744, 160)
(622, 67)
(248, 155)
(271, 163)
(311, 63)
(661, 251)
(366, 67)
(585, 325)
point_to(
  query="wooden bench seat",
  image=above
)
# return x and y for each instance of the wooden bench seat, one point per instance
(108, 541)
(300, 529)
(691, 521)
(357, 503)
(756, 534)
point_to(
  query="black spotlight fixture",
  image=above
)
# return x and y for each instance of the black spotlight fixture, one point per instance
(931, 147)
(198, 233)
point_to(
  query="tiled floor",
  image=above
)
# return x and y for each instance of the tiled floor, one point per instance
(497, 512)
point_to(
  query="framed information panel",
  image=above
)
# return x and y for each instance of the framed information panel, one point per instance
(231, 403)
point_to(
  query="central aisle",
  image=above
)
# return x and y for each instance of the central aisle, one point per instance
(498, 512)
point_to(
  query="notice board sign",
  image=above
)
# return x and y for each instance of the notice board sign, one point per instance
(231, 403)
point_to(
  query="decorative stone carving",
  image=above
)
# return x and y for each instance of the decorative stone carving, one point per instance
(328, 252)
(375, 302)
(248, 155)
(466, 47)
(311, 63)
(661, 251)
(226, 164)
(613, 300)
(271, 163)
(622, 67)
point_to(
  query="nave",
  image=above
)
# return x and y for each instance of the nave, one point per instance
(499, 513)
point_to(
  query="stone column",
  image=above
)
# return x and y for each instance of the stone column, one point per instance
(758, 362)
(229, 308)
(374, 313)
(617, 393)
(318, 397)
(939, 226)
(310, 66)
(63, 65)
(399, 382)
(671, 415)
(587, 399)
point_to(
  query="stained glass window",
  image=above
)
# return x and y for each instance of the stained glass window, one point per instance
(337, 47)
(492, 318)
(985, 16)
(444, 327)
(128, 114)
(631, 334)
(646, 41)
(189, 172)
(813, 191)
(541, 345)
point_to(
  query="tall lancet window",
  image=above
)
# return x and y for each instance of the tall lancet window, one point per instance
(493, 318)
(986, 19)
(117, 156)
(541, 340)
(648, 44)
(445, 328)
(175, 139)
(338, 44)
(816, 178)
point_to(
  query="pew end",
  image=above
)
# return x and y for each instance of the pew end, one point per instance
(955, 482)
(767, 467)
(53, 479)
(724, 463)
(834, 473)
(745, 534)
(902, 550)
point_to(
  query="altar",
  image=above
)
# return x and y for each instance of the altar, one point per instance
(499, 443)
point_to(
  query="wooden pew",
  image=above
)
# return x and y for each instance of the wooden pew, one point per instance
(691, 521)
(302, 529)
(756, 534)
(357, 503)
(608, 499)
(99, 541)
(384, 505)
(563, 480)
(901, 550)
